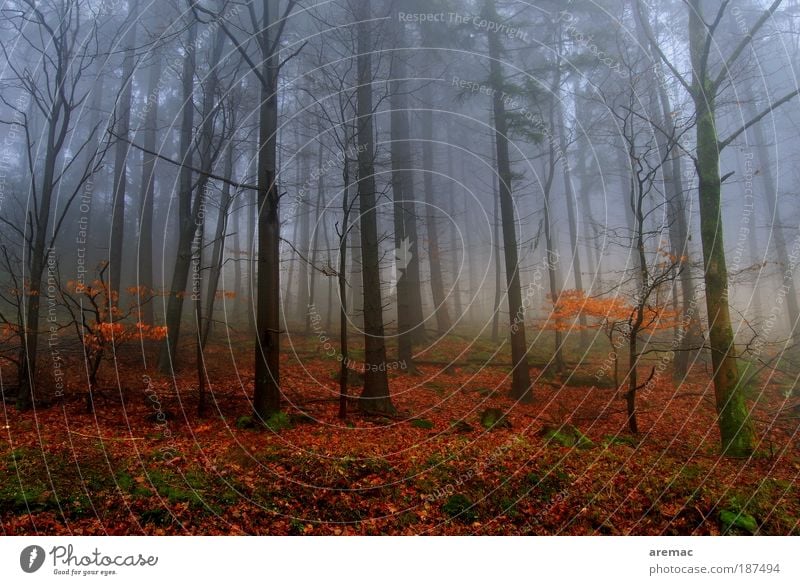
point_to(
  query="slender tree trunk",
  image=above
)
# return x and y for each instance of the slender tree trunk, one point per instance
(773, 208)
(200, 327)
(630, 395)
(122, 148)
(267, 395)
(375, 396)
(252, 260)
(355, 291)
(443, 322)
(551, 261)
(341, 279)
(147, 189)
(637, 202)
(57, 125)
(521, 379)
(237, 257)
(569, 194)
(187, 224)
(312, 284)
(454, 239)
(498, 269)
(302, 314)
(676, 207)
(218, 248)
(330, 281)
(292, 300)
(409, 298)
(733, 416)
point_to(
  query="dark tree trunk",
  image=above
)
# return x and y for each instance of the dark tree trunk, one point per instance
(690, 335)
(302, 314)
(733, 416)
(186, 226)
(521, 379)
(252, 255)
(498, 268)
(443, 322)
(147, 189)
(266, 397)
(569, 194)
(375, 397)
(406, 241)
(312, 277)
(122, 148)
(218, 248)
(775, 218)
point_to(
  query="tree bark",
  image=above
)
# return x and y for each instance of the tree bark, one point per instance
(267, 395)
(733, 416)
(409, 298)
(521, 379)
(375, 396)
(218, 248)
(147, 189)
(569, 194)
(773, 208)
(122, 148)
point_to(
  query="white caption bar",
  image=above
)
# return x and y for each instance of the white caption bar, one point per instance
(389, 560)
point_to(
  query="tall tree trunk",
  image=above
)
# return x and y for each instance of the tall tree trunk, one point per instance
(454, 239)
(375, 396)
(406, 241)
(443, 322)
(551, 261)
(521, 379)
(237, 257)
(57, 127)
(266, 396)
(190, 197)
(676, 206)
(147, 189)
(294, 262)
(569, 194)
(773, 208)
(733, 417)
(200, 328)
(252, 260)
(498, 269)
(355, 291)
(312, 283)
(341, 280)
(122, 129)
(302, 314)
(218, 248)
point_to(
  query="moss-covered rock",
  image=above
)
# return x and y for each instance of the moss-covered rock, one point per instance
(732, 520)
(494, 418)
(461, 507)
(566, 435)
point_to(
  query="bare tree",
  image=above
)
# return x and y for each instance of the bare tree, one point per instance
(63, 39)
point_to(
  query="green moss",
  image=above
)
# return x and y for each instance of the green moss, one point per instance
(567, 435)
(737, 520)
(494, 418)
(278, 422)
(461, 507)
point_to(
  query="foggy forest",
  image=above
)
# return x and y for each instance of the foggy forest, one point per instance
(399, 267)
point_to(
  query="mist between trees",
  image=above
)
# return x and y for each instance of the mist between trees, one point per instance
(607, 189)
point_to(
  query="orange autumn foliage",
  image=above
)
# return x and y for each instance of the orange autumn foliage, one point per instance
(109, 325)
(608, 310)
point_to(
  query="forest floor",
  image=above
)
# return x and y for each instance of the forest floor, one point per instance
(145, 463)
